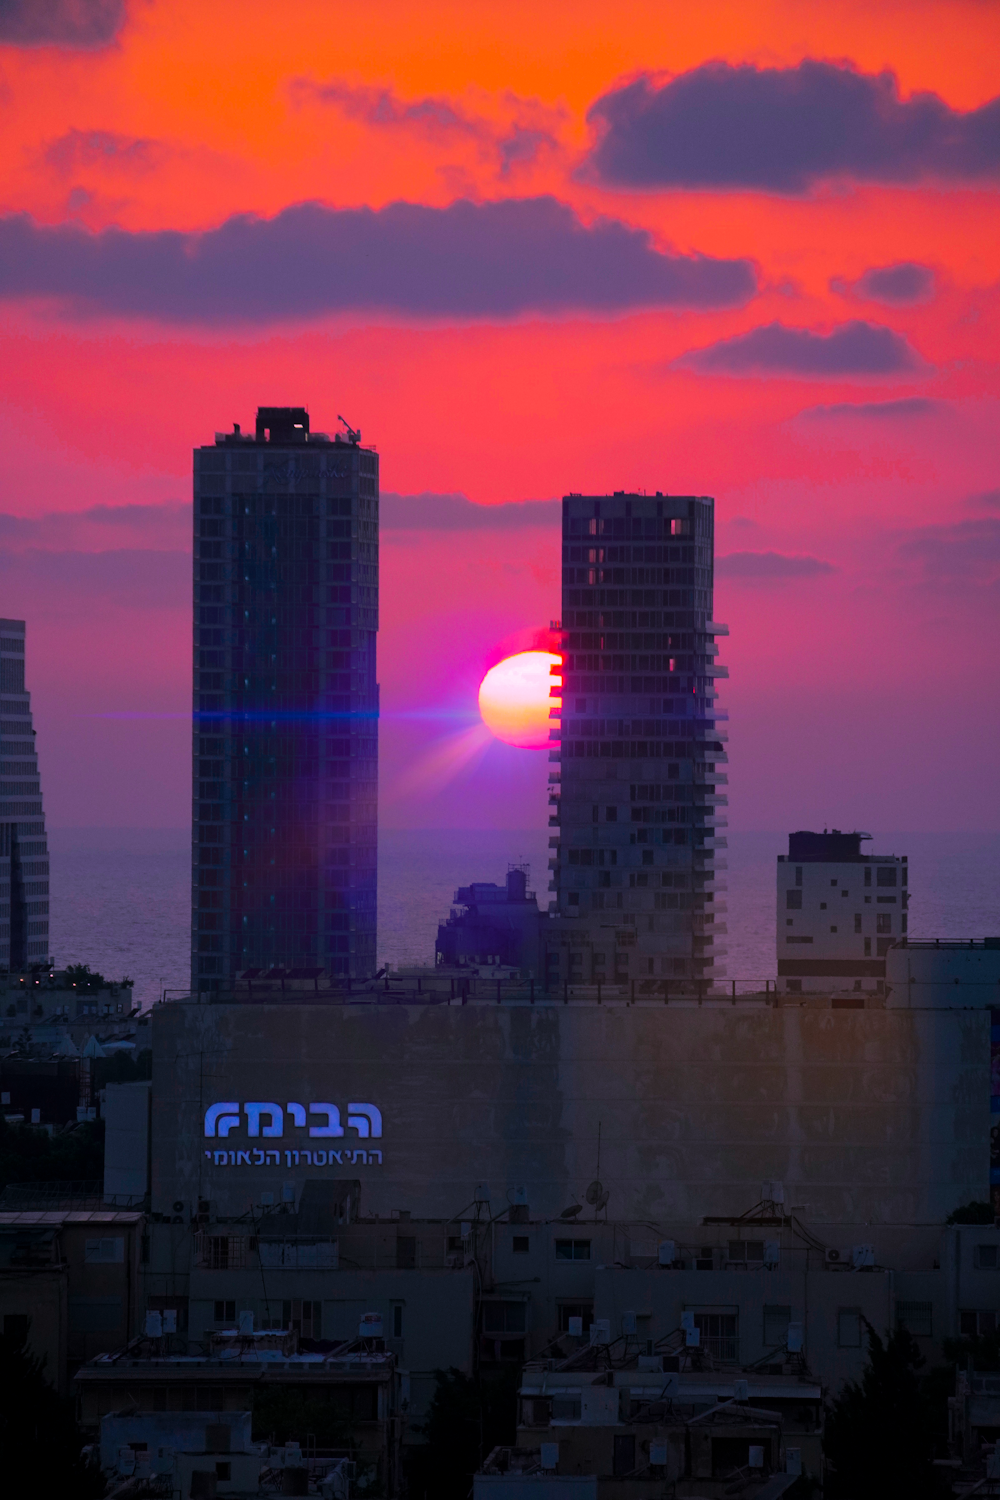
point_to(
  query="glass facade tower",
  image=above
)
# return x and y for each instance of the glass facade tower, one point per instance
(285, 702)
(24, 851)
(639, 795)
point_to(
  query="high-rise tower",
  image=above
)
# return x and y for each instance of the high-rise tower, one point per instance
(638, 797)
(285, 701)
(24, 854)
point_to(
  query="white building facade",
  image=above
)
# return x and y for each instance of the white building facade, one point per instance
(839, 913)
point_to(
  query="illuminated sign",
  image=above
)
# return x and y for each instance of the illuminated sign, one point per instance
(220, 1119)
(266, 1119)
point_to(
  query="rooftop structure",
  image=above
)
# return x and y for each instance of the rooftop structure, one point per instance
(638, 797)
(24, 851)
(494, 924)
(285, 702)
(839, 913)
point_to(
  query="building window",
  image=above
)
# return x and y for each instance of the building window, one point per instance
(883, 921)
(719, 1334)
(857, 921)
(582, 1310)
(916, 1318)
(833, 929)
(504, 1317)
(572, 1249)
(225, 1313)
(406, 1252)
(776, 1321)
(849, 1327)
(885, 875)
(868, 875)
(793, 900)
(794, 986)
(973, 1324)
(868, 947)
(611, 815)
(624, 1455)
(747, 1251)
(986, 1257)
(302, 1317)
(397, 1320)
(565, 1408)
(798, 874)
(520, 1244)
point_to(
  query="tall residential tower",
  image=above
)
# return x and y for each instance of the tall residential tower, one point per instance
(24, 853)
(638, 797)
(285, 701)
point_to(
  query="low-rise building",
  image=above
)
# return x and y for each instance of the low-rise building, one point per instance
(494, 925)
(638, 1422)
(69, 1281)
(839, 913)
(357, 1381)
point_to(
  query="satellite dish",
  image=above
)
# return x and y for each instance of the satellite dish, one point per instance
(602, 1201)
(594, 1191)
(572, 1211)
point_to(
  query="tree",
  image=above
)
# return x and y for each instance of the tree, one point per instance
(880, 1430)
(442, 1468)
(466, 1420)
(39, 1438)
(976, 1212)
(31, 1155)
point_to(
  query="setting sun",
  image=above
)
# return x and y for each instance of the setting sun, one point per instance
(514, 699)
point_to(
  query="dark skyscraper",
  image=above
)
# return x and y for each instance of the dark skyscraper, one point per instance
(285, 701)
(640, 795)
(24, 856)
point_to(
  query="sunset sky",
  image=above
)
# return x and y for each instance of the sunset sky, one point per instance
(745, 250)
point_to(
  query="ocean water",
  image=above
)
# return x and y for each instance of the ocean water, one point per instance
(121, 897)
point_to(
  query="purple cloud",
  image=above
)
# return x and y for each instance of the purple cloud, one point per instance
(902, 410)
(429, 512)
(966, 553)
(60, 23)
(469, 260)
(126, 578)
(897, 285)
(783, 130)
(530, 129)
(850, 349)
(87, 148)
(769, 567)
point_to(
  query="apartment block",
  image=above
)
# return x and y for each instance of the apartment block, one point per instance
(285, 702)
(24, 850)
(839, 913)
(638, 798)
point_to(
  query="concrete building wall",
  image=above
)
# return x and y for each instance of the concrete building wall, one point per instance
(126, 1110)
(869, 1116)
(943, 974)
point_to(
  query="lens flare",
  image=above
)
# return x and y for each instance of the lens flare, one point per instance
(514, 699)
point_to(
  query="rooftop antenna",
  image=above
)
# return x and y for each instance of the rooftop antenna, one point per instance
(353, 433)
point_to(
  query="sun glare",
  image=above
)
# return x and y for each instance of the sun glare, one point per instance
(514, 699)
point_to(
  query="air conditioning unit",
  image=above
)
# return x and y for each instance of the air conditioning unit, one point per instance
(862, 1255)
(837, 1257)
(667, 1252)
